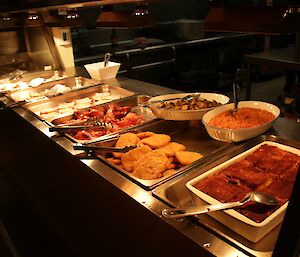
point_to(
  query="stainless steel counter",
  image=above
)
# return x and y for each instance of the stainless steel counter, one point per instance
(208, 240)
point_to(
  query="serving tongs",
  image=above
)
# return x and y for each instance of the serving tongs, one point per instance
(188, 97)
(80, 126)
(103, 148)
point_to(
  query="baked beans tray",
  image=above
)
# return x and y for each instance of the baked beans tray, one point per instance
(192, 136)
(48, 109)
(138, 115)
(48, 90)
(176, 194)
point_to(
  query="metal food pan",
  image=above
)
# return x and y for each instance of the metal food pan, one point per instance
(176, 194)
(48, 76)
(193, 136)
(52, 103)
(133, 102)
(74, 83)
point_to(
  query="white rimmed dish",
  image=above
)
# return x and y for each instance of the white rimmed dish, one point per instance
(237, 135)
(249, 229)
(184, 114)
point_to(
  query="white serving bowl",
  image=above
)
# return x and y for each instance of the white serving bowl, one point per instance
(182, 114)
(98, 71)
(236, 135)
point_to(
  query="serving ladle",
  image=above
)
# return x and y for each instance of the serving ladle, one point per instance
(258, 197)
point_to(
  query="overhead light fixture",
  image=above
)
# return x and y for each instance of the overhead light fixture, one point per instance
(7, 21)
(63, 18)
(265, 19)
(138, 18)
(141, 9)
(33, 19)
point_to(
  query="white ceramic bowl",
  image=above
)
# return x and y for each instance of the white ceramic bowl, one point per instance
(236, 135)
(98, 71)
(182, 114)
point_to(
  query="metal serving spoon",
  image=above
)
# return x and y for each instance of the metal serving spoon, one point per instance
(257, 197)
(188, 97)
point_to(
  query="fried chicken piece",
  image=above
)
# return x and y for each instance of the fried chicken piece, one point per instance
(151, 166)
(145, 134)
(125, 140)
(169, 172)
(114, 160)
(128, 159)
(157, 140)
(186, 157)
(171, 148)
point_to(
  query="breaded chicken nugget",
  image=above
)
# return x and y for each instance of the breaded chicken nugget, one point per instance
(171, 148)
(169, 172)
(128, 159)
(150, 166)
(145, 134)
(157, 140)
(186, 157)
(114, 160)
(124, 140)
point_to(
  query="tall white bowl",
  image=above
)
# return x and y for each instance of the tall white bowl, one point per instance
(236, 135)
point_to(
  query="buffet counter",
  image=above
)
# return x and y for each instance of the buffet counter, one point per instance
(57, 203)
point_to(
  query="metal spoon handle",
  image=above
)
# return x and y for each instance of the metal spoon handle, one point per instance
(182, 212)
(236, 95)
(106, 59)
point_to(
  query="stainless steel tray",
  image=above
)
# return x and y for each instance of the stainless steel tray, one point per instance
(190, 134)
(133, 101)
(47, 75)
(53, 103)
(33, 94)
(175, 194)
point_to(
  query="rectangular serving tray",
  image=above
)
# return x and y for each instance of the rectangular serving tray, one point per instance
(194, 137)
(132, 101)
(176, 194)
(37, 107)
(74, 83)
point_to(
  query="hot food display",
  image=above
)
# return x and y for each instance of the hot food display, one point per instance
(51, 89)
(155, 155)
(185, 106)
(243, 118)
(105, 120)
(71, 102)
(268, 167)
(251, 119)
(32, 80)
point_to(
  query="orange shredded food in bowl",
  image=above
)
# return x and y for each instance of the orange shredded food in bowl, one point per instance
(243, 118)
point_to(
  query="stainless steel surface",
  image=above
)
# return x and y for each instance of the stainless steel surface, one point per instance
(133, 102)
(75, 127)
(175, 193)
(258, 197)
(190, 134)
(205, 232)
(74, 83)
(40, 106)
(104, 148)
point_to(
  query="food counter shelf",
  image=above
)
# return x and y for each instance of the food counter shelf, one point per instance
(176, 194)
(128, 205)
(190, 134)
